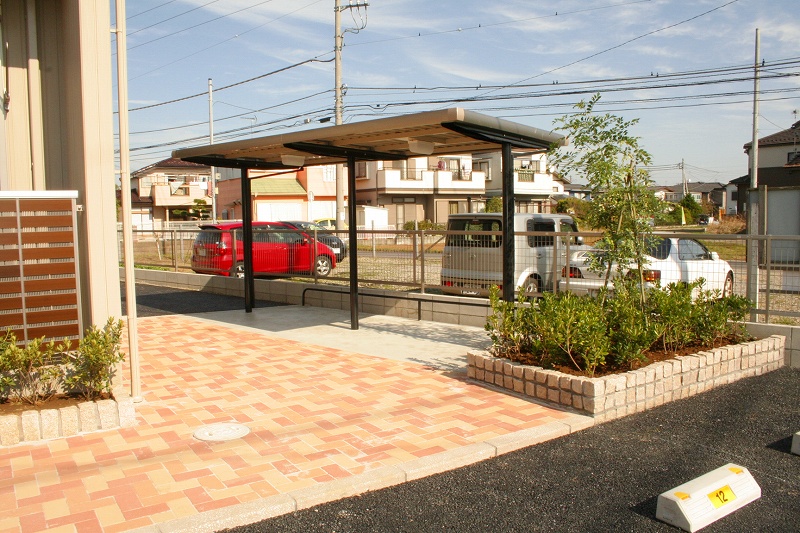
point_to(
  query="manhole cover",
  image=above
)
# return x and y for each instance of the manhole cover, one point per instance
(221, 431)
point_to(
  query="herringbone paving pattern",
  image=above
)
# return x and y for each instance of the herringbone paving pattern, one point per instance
(316, 414)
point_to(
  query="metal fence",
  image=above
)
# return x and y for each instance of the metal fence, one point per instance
(413, 261)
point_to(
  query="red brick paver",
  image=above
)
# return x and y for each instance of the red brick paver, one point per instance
(316, 415)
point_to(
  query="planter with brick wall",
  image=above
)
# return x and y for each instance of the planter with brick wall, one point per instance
(616, 395)
(86, 417)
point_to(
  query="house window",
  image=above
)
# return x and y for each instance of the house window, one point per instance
(482, 166)
(452, 207)
(361, 170)
(791, 155)
(329, 173)
(402, 199)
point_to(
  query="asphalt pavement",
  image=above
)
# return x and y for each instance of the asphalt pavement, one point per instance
(605, 478)
(152, 300)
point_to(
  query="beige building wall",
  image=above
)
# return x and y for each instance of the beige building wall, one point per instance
(57, 133)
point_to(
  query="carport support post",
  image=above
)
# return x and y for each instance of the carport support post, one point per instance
(508, 222)
(247, 243)
(351, 232)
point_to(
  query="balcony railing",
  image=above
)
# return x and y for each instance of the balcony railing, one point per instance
(458, 174)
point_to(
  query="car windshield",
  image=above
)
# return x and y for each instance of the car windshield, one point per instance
(308, 226)
(657, 248)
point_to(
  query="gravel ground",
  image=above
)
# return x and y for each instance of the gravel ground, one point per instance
(606, 478)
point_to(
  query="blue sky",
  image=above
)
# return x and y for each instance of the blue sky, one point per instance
(684, 68)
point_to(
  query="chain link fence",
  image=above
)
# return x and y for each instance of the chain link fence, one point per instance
(412, 261)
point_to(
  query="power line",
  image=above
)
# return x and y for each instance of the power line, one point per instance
(232, 84)
(209, 21)
(782, 63)
(505, 22)
(248, 112)
(151, 9)
(236, 36)
(625, 42)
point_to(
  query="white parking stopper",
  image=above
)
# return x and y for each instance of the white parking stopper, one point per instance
(796, 443)
(706, 499)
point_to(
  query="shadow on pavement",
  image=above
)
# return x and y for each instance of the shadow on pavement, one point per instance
(153, 300)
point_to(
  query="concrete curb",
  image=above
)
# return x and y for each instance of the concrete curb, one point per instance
(87, 417)
(616, 395)
(380, 478)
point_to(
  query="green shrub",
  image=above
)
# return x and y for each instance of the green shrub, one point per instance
(510, 326)
(571, 330)
(29, 374)
(672, 309)
(719, 319)
(6, 380)
(93, 366)
(422, 225)
(631, 330)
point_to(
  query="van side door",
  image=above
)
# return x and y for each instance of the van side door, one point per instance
(541, 249)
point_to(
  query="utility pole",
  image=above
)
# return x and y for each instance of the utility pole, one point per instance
(752, 199)
(683, 178)
(211, 141)
(338, 43)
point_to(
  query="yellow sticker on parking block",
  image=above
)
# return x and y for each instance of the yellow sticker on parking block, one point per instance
(721, 496)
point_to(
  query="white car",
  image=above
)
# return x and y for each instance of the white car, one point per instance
(669, 260)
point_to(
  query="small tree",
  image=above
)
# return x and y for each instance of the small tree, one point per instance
(573, 206)
(609, 158)
(200, 210)
(494, 205)
(691, 207)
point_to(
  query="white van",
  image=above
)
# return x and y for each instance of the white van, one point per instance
(472, 262)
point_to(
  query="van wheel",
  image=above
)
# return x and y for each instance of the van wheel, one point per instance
(323, 265)
(727, 288)
(532, 285)
(238, 271)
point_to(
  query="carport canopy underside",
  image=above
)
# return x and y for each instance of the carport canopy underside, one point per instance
(445, 132)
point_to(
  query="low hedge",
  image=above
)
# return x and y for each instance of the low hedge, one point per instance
(614, 331)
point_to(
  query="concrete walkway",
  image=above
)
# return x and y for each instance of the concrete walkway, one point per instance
(331, 412)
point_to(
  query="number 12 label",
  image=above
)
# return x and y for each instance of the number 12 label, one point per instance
(722, 496)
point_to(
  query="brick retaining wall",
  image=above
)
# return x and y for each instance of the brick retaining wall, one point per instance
(617, 395)
(86, 417)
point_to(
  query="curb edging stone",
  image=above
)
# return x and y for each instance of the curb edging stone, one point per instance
(86, 417)
(617, 395)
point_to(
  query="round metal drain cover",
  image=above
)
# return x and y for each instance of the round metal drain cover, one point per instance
(221, 431)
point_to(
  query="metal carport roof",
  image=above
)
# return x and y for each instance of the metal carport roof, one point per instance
(449, 131)
(444, 132)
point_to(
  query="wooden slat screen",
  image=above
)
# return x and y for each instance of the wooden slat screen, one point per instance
(39, 282)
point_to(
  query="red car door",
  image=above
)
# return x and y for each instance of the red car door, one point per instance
(300, 251)
(270, 252)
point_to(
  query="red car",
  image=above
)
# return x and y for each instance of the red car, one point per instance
(277, 249)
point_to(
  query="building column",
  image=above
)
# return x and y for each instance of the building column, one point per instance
(91, 168)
